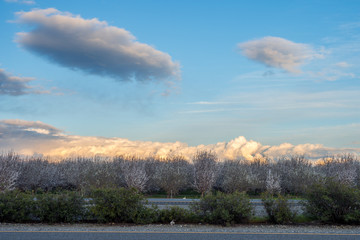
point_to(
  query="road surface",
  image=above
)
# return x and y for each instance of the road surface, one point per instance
(174, 232)
(112, 235)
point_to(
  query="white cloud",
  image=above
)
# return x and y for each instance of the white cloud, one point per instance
(332, 74)
(93, 46)
(27, 2)
(38, 130)
(278, 52)
(343, 64)
(212, 103)
(27, 137)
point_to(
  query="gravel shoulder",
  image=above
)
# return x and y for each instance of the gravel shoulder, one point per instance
(336, 229)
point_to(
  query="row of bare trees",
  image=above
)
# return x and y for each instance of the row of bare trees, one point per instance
(174, 174)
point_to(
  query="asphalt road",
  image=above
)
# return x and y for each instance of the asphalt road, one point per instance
(107, 235)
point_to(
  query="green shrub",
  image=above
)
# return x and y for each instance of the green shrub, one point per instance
(16, 206)
(223, 208)
(121, 206)
(179, 215)
(333, 202)
(146, 215)
(277, 209)
(64, 207)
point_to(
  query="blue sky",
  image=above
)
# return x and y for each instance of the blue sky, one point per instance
(272, 71)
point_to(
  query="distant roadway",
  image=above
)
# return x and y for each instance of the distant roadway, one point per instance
(180, 201)
(258, 207)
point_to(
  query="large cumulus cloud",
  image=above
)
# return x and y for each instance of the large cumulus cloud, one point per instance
(278, 52)
(93, 46)
(29, 137)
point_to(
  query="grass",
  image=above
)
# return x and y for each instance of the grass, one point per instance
(302, 219)
(258, 220)
(299, 219)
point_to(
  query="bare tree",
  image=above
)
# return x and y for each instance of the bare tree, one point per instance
(79, 173)
(296, 173)
(345, 168)
(134, 172)
(100, 173)
(235, 176)
(75, 170)
(38, 173)
(152, 166)
(9, 171)
(205, 171)
(172, 174)
(272, 183)
(257, 174)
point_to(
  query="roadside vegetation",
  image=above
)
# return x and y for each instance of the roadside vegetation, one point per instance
(114, 190)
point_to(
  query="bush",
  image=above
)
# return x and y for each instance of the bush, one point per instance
(16, 206)
(146, 215)
(66, 207)
(224, 208)
(333, 202)
(176, 214)
(121, 206)
(277, 209)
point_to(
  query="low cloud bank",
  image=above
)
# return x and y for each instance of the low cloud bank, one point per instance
(27, 137)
